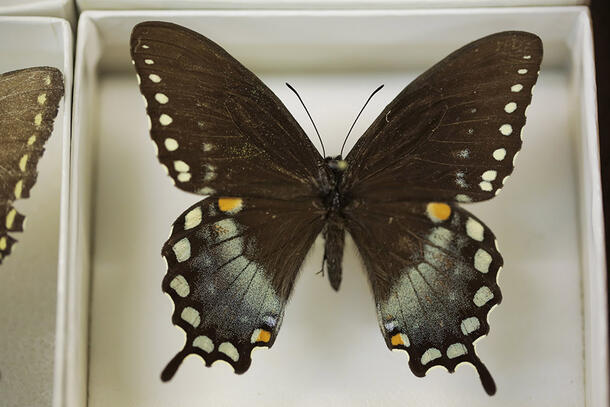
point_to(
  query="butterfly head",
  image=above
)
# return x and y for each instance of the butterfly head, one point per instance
(336, 164)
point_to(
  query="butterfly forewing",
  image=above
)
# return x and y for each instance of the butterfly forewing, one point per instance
(217, 127)
(433, 272)
(232, 263)
(29, 101)
(454, 132)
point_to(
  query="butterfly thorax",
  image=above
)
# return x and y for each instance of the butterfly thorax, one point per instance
(334, 234)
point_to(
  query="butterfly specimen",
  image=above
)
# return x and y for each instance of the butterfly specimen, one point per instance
(29, 101)
(449, 137)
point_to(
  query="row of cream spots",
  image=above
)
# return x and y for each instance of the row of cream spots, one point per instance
(453, 351)
(506, 130)
(170, 143)
(42, 99)
(192, 317)
(207, 345)
(165, 120)
(467, 326)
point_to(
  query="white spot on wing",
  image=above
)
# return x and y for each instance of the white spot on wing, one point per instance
(170, 144)
(23, 163)
(181, 166)
(456, 350)
(489, 175)
(165, 119)
(184, 177)
(18, 189)
(516, 88)
(482, 260)
(462, 198)
(161, 98)
(206, 191)
(10, 218)
(506, 129)
(204, 343)
(470, 325)
(149, 61)
(482, 295)
(510, 107)
(499, 154)
(474, 229)
(522, 71)
(230, 350)
(210, 174)
(463, 154)
(193, 218)
(390, 325)
(182, 250)
(485, 186)
(180, 286)
(154, 78)
(441, 237)
(430, 355)
(271, 321)
(191, 315)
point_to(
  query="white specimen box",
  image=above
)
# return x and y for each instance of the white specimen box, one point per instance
(548, 338)
(51, 8)
(33, 276)
(310, 4)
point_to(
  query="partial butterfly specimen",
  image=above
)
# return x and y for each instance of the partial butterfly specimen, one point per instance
(29, 101)
(449, 137)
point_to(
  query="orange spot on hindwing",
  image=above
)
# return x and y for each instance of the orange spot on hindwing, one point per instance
(263, 336)
(397, 340)
(231, 205)
(438, 212)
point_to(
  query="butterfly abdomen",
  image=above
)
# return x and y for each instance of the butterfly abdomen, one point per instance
(334, 236)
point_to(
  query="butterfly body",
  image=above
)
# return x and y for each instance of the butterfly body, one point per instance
(333, 202)
(449, 137)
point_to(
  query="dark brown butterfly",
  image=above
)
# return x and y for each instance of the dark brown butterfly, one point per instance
(450, 136)
(29, 101)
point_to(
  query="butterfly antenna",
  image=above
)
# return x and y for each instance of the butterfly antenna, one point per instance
(314, 125)
(357, 117)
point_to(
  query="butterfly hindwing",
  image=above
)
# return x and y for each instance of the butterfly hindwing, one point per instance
(232, 263)
(29, 102)
(433, 273)
(217, 127)
(453, 133)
